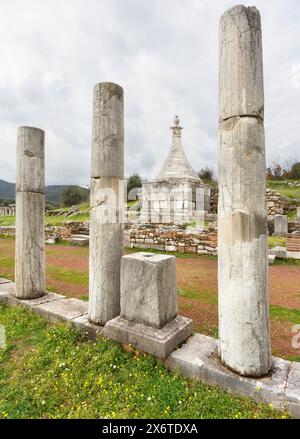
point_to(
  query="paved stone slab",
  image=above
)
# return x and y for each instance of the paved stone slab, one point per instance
(48, 297)
(4, 281)
(62, 310)
(8, 287)
(292, 393)
(158, 342)
(199, 359)
(279, 252)
(92, 331)
(272, 259)
(293, 255)
(3, 297)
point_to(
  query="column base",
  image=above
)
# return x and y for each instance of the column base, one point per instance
(157, 342)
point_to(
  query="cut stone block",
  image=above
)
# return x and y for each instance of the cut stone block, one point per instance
(272, 259)
(148, 289)
(280, 225)
(4, 281)
(92, 331)
(279, 252)
(292, 393)
(62, 310)
(198, 359)
(157, 342)
(79, 240)
(9, 288)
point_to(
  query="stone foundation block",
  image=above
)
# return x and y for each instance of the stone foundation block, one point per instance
(158, 342)
(198, 359)
(62, 310)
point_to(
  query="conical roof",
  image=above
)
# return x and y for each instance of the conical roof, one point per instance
(176, 165)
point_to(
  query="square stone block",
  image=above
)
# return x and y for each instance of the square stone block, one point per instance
(157, 342)
(280, 225)
(148, 289)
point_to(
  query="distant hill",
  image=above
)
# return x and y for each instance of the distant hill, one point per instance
(52, 192)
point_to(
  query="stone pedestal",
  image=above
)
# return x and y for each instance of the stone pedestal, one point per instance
(280, 225)
(148, 317)
(30, 210)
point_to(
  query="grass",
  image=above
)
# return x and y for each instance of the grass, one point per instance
(67, 275)
(287, 261)
(282, 186)
(54, 372)
(285, 314)
(7, 220)
(273, 241)
(206, 295)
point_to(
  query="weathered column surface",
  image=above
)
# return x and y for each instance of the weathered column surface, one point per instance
(106, 228)
(242, 244)
(30, 209)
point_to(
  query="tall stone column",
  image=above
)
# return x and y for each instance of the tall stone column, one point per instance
(242, 243)
(30, 210)
(106, 225)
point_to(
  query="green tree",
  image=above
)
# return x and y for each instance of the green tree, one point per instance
(295, 171)
(133, 182)
(72, 195)
(206, 174)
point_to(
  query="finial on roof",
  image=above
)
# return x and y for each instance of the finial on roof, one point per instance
(176, 128)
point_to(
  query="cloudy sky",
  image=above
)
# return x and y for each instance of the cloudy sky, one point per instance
(165, 55)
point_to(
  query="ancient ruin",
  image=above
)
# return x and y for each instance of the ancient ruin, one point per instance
(177, 194)
(106, 226)
(30, 211)
(242, 242)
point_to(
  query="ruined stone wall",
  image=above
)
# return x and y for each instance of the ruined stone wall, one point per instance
(276, 202)
(172, 239)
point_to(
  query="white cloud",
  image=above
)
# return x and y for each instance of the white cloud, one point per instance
(164, 54)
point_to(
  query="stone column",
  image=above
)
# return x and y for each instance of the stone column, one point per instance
(30, 209)
(106, 228)
(242, 243)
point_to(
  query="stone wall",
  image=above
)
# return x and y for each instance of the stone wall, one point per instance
(172, 239)
(65, 232)
(276, 202)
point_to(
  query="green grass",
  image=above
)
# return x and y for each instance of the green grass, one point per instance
(283, 188)
(285, 314)
(67, 275)
(7, 220)
(177, 254)
(287, 261)
(54, 372)
(273, 241)
(206, 295)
